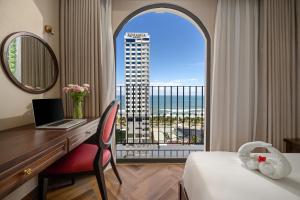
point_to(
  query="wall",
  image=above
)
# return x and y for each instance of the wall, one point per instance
(31, 16)
(15, 105)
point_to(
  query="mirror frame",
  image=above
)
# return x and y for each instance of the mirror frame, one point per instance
(3, 51)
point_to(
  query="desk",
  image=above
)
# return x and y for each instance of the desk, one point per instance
(26, 151)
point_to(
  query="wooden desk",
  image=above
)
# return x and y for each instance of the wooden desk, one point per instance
(292, 145)
(26, 151)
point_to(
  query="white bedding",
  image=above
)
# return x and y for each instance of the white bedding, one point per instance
(220, 176)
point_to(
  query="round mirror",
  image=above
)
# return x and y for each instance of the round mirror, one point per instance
(29, 62)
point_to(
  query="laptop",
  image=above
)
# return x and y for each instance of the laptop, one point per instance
(49, 114)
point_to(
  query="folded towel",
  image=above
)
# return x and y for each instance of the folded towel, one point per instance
(273, 165)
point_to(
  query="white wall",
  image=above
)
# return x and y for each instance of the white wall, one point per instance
(31, 16)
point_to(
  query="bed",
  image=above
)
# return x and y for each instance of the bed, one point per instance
(220, 176)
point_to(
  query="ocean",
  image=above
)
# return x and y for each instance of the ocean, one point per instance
(168, 104)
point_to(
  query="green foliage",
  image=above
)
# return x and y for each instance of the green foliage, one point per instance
(120, 136)
(195, 139)
(12, 56)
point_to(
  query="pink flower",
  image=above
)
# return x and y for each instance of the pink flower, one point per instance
(77, 88)
(86, 85)
(66, 89)
(86, 89)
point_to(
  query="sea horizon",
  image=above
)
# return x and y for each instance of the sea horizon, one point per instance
(187, 105)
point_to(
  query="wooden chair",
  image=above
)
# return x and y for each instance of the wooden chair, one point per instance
(87, 158)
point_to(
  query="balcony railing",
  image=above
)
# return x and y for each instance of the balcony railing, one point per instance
(160, 121)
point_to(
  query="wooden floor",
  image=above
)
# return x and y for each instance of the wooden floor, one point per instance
(140, 182)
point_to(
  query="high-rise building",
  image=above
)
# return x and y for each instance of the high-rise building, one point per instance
(137, 55)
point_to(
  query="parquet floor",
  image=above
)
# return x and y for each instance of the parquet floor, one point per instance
(140, 182)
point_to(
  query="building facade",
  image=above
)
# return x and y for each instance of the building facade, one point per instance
(137, 62)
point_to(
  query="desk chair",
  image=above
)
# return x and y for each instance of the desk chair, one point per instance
(87, 158)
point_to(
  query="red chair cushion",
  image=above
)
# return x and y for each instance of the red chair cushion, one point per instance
(79, 160)
(109, 123)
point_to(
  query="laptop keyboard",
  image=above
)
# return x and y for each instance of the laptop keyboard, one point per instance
(60, 122)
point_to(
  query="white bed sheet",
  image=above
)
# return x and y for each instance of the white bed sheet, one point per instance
(220, 176)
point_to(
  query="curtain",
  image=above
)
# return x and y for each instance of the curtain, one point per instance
(87, 52)
(298, 68)
(234, 74)
(37, 67)
(277, 91)
(255, 83)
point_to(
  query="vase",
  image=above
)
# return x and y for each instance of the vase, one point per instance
(77, 110)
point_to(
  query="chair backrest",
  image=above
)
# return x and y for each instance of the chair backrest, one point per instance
(107, 122)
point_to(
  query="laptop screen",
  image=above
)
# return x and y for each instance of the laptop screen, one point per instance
(47, 111)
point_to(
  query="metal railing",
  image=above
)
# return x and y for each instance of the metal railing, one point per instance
(159, 119)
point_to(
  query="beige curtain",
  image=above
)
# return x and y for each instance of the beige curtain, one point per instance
(255, 91)
(37, 67)
(87, 52)
(233, 74)
(298, 67)
(277, 80)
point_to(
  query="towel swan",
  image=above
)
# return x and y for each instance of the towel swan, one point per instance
(274, 165)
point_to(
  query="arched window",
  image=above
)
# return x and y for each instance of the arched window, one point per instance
(170, 113)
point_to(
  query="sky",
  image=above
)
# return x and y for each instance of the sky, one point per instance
(177, 49)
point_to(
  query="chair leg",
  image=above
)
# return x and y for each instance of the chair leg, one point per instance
(72, 181)
(43, 187)
(101, 183)
(113, 165)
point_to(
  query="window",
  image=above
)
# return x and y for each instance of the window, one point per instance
(130, 40)
(138, 119)
(130, 119)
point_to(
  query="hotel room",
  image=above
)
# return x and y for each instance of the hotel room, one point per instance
(150, 99)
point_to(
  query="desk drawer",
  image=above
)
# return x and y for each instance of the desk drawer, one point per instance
(81, 134)
(31, 167)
